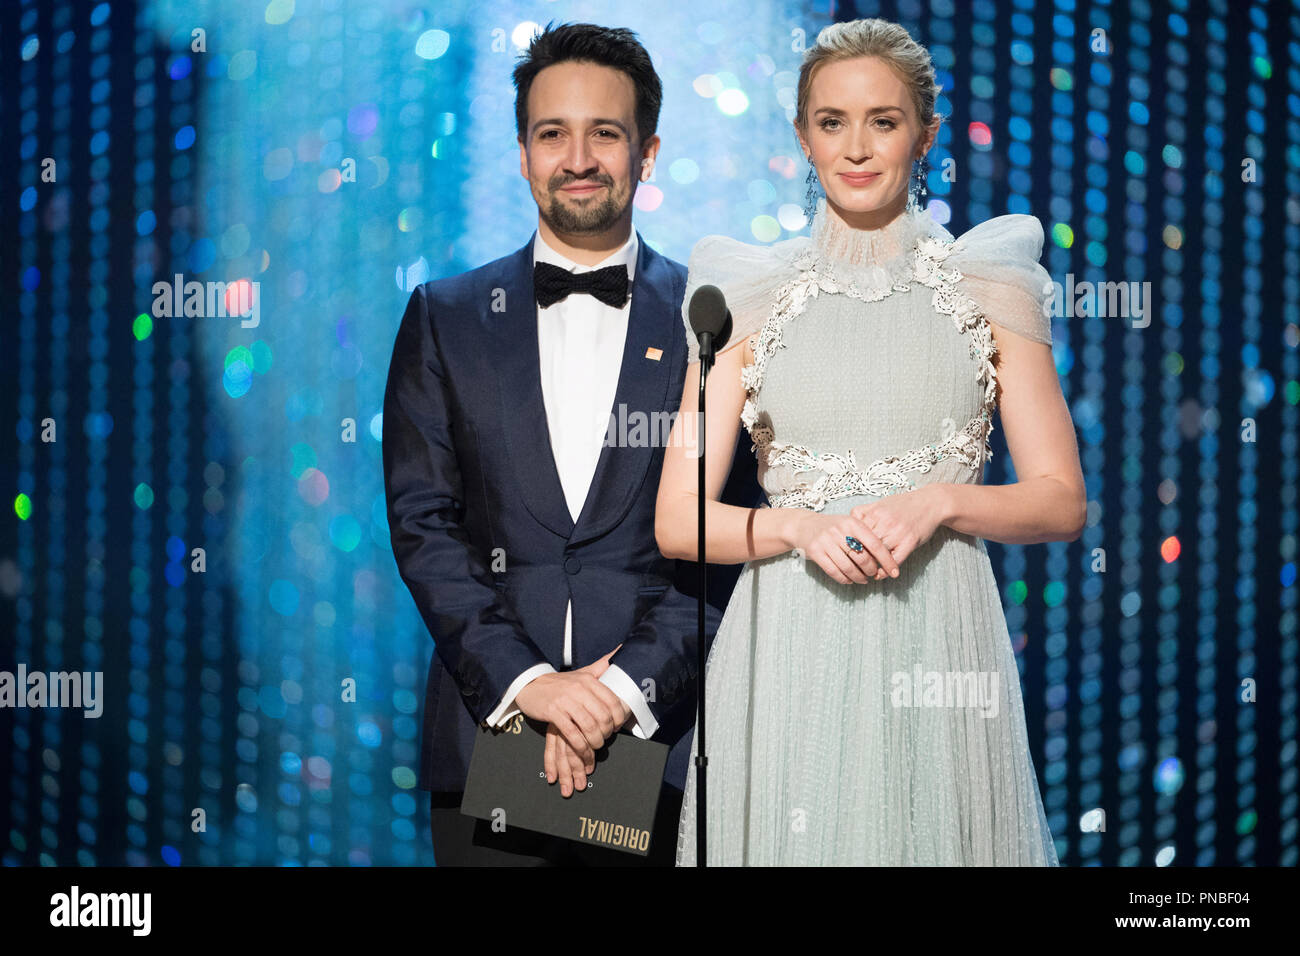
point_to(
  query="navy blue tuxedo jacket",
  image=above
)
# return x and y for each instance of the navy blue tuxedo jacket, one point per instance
(469, 476)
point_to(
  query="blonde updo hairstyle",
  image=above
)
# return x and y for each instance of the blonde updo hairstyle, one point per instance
(884, 39)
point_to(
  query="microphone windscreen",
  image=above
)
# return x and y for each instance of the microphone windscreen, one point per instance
(708, 313)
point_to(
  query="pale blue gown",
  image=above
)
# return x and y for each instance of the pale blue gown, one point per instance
(878, 723)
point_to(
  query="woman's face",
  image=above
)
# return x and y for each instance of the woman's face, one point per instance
(863, 134)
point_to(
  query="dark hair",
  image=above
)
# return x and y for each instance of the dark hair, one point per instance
(614, 47)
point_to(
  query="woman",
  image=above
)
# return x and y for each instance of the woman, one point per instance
(863, 698)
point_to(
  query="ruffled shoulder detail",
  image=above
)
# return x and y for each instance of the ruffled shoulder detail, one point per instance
(749, 277)
(998, 261)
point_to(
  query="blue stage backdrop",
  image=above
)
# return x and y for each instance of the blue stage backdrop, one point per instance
(197, 497)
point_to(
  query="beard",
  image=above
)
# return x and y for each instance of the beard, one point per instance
(581, 216)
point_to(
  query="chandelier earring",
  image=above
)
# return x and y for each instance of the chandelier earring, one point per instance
(917, 190)
(814, 191)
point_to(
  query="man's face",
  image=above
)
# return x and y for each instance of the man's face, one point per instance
(580, 153)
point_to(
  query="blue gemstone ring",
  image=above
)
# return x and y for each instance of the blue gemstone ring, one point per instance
(854, 543)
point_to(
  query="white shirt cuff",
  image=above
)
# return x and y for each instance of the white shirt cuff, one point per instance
(500, 715)
(644, 724)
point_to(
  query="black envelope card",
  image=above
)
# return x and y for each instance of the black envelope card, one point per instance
(507, 783)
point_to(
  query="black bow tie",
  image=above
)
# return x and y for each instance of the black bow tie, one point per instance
(551, 284)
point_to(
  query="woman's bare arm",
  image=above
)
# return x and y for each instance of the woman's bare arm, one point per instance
(735, 534)
(1048, 501)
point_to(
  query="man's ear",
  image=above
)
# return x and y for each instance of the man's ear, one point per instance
(523, 157)
(649, 151)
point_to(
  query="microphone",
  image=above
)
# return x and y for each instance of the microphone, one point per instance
(710, 320)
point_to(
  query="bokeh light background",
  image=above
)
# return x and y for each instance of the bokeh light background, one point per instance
(338, 154)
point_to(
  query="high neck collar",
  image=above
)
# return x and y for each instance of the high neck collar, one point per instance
(870, 258)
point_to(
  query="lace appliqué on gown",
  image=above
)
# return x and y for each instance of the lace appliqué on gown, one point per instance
(823, 476)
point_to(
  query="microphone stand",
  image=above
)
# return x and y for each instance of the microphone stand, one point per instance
(711, 322)
(701, 758)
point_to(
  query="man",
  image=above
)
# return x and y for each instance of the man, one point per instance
(526, 542)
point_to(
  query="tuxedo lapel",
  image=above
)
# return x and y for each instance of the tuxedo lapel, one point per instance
(523, 409)
(642, 391)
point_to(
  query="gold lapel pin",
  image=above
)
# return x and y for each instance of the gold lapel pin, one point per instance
(654, 354)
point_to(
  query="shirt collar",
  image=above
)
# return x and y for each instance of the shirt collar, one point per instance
(624, 255)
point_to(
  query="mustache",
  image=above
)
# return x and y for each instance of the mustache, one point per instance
(559, 182)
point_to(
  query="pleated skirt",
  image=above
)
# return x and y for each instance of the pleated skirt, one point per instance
(868, 724)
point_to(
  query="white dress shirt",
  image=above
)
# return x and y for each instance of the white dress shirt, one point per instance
(580, 346)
